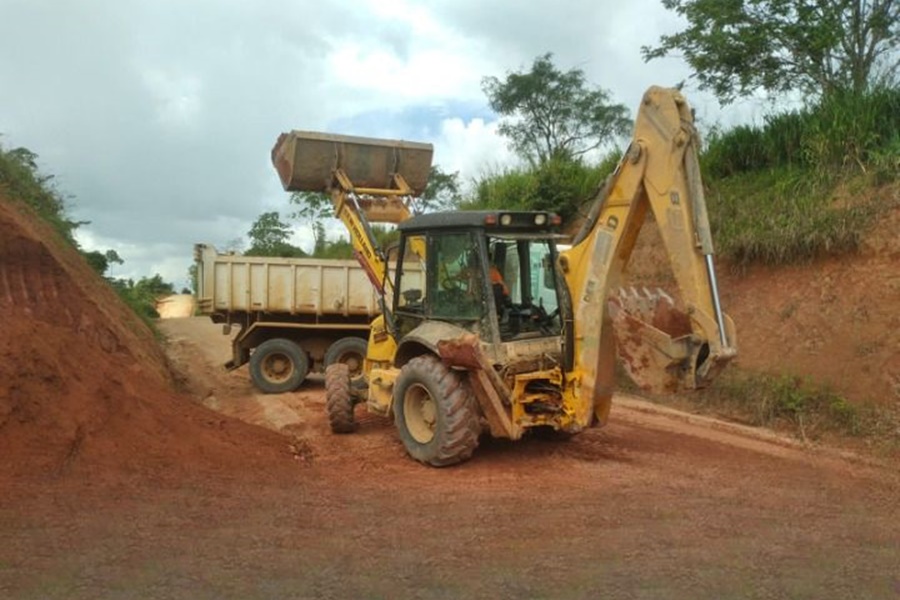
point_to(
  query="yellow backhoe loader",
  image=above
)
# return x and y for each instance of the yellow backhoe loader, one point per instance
(488, 325)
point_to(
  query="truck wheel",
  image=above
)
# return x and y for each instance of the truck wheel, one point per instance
(349, 350)
(435, 413)
(278, 365)
(337, 398)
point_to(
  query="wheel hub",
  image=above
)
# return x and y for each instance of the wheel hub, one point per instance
(278, 367)
(420, 413)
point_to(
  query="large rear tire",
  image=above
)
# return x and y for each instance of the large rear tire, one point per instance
(278, 365)
(338, 400)
(435, 413)
(349, 350)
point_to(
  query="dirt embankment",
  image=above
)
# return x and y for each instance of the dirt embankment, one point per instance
(84, 386)
(835, 320)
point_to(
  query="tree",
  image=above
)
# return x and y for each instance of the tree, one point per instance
(102, 261)
(551, 114)
(97, 261)
(320, 238)
(143, 295)
(269, 237)
(312, 209)
(560, 186)
(441, 193)
(194, 277)
(736, 47)
(234, 245)
(153, 287)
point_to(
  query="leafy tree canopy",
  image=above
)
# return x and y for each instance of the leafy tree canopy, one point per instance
(560, 186)
(551, 114)
(736, 47)
(442, 192)
(143, 294)
(102, 261)
(269, 237)
(313, 209)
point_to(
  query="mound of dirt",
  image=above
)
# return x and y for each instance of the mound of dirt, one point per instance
(85, 389)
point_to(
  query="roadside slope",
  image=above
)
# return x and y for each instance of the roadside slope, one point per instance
(834, 320)
(84, 387)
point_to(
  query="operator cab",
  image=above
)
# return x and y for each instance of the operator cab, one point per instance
(491, 273)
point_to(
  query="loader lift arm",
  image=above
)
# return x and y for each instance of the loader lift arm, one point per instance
(662, 348)
(367, 182)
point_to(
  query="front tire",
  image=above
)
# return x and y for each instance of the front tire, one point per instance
(338, 400)
(435, 413)
(278, 365)
(350, 351)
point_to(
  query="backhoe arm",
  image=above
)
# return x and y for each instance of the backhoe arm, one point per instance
(663, 348)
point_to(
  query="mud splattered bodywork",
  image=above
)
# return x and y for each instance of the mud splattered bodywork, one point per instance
(500, 329)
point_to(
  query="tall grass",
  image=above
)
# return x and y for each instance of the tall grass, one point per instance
(784, 216)
(843, 130)
(773, 187)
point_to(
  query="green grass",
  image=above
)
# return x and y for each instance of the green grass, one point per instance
(773, 187)
(807, 409)
(799, 406)
(843, 131)
(784, 216)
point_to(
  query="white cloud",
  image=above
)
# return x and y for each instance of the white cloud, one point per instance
(177, 95)
(472, 148)
(158, 117)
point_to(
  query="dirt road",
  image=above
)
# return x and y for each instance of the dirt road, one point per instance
(653, 506)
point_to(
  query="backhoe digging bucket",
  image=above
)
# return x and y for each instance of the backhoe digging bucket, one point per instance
(306, 161)
(655, 342)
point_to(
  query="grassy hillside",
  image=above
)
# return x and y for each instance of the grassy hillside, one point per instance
(804, 183)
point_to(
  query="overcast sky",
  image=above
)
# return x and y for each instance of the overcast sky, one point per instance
(157, 116)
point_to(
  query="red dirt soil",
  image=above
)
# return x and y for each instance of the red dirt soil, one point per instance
(833, 320)
(86, 390)
(115, 485)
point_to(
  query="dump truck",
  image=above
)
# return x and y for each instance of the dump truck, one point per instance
(506, 331)
(295, 315)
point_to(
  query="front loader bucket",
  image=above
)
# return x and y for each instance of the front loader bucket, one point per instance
(306, 161)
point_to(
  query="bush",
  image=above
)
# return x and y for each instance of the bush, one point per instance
(806, 408)
(559, 185)
(21, 180)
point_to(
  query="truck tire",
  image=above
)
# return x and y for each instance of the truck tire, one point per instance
(349, 350)
(278, 365)
(338, 400)
(435, 412)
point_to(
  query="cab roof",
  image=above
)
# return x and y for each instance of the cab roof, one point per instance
(493, 220)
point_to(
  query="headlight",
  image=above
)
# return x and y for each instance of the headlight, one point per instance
(540, 219)
(506, 220)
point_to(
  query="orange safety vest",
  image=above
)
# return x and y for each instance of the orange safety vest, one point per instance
(496, 277)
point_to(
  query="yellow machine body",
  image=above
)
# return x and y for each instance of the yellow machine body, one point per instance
(563, 381)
